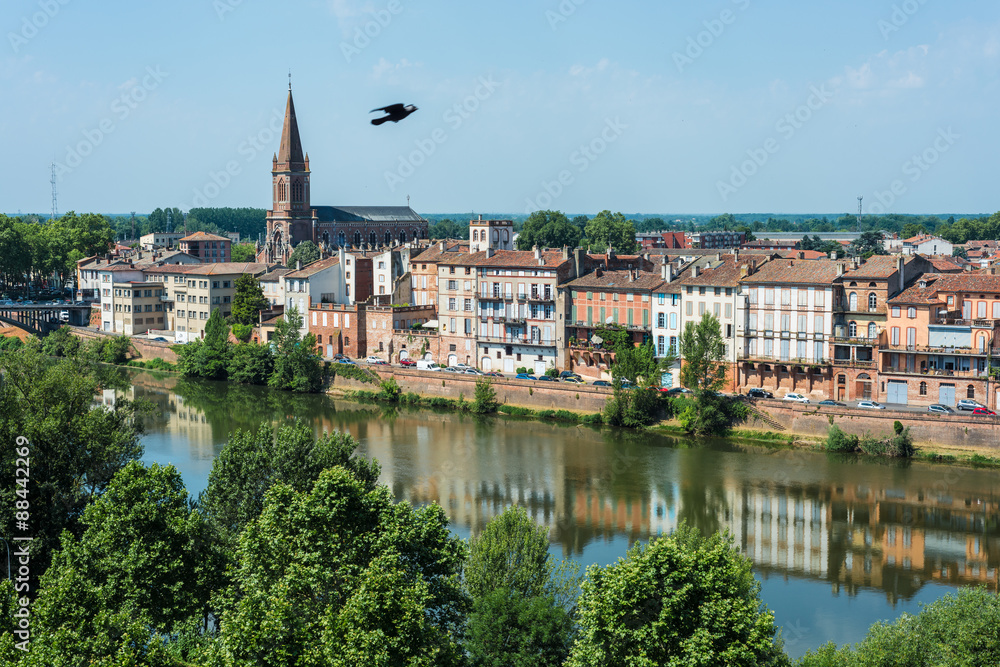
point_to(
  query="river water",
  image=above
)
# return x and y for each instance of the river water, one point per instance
(837, 542)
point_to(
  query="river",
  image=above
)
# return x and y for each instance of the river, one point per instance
(838, 542)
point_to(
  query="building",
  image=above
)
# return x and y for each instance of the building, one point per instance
(424, 269)
(273, 287)
(110, 277)
(318, 282)
(159, 240)
(608, 299)
(941, 340)
(925, 244)
(138, 307)
(292, 218)
(339, 329)
(785, 345)
(715, 240)
(496, 234)
(207, 247)
(191, 292)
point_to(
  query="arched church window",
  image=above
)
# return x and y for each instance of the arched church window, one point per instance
(402, 237)
(341, 239)
(357, 238)
(388, 238)
(371, 238)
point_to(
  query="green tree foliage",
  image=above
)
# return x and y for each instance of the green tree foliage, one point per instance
(166, 220)
(868, 244)
(639, 365)
(341, 575)
(297, 367)
(305, 252)
(680, 600)
(244, 252)
(485, 400)
(958, 629)
(447, 228)
(548, 229)
(108, 349)
(248, 300)
(521, 613)
(704, 352)
(616, 337)
(634, 407)
(207, 358)
(61, 343)
(897, 445)
(144, 555)
(249, 222)
(10, 343)
(252, 462)
(959, 252)
(250, 363)
(607, 228)
(242, 332)
(75, 449)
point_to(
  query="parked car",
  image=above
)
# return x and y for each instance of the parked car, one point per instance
(601, 383)
(462, 366)
(64, 315)
(525, 376)
(345, 360)
(339, 356)
(372, 359)
(568, 374)
(160, 339)
(757, 392)
(575, 379)
(626, 384)
(830, 403)
(969, 404)
(942, 409)
(451, 369)
(870, 405)
(406, 363)
(798, 398)
(493, 374)
(547, 378)
(984, 411)
(469, 371)
(676, 391)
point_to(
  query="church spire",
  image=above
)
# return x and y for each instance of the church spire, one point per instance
(290, 153)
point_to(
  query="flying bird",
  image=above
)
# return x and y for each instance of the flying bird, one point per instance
(396, 113)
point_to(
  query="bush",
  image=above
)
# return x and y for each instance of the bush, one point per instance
(899, 445)
(838, 441)
(354, 373)
(242, 332)
(389, 390)
(631, 407)
(897, 427)
(521, 369)
(552, 372)
(516, 411)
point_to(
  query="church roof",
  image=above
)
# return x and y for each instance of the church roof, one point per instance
(290, 153)
(367, 214)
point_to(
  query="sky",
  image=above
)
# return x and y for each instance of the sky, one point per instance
(736, 106)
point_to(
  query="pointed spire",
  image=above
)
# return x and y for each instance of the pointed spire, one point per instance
(290, 153)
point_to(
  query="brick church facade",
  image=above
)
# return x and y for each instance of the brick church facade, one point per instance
(292, 218)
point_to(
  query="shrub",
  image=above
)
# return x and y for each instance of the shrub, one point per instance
(552, 372)
(897, 427)
(521, 369)
(485, 401)
(838, 441)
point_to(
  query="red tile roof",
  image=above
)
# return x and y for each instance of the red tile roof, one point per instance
(796, 272)
(313, 268)
(618, 281)
(205, 236)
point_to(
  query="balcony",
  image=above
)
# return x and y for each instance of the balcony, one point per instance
(519, 340)
(935, 372)
(854, 340)
(762, 359)
(974, 324)
(946, 351)
(855, 363)
(166, 298)
(540, 296)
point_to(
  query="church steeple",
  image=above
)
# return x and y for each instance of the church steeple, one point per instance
(290, 156)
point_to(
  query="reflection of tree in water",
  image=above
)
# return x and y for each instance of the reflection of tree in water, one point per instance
(703, 502)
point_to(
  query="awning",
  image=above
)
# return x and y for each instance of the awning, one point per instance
(430, 324)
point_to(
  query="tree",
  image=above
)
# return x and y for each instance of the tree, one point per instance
(75, 449)
(912, 229)
(207, 358)
(957, 629)
(548, 229)
(868, 244)
(520, 614)
(248, 300)
(250, 363)
(611, 229)
(305, 252)
(639, 365)
(703, 352)
(296, 364)
(244, 252)
(342, 575)
(679, 600)
(959, 251)
(485, 401)
(251, 463)
(61, 343)
(144, 556)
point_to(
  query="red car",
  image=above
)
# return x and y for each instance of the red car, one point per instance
(984, 411)
(407, 362)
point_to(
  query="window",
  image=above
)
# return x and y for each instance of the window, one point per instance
(661, 321)
(923, 388)
(803, 323)
(803, 297)
(872, 301)
(660, 346)
(820, 299)
(981, 310)
(970, 392)
(894, 339)
(896, 311)
(818, 324)
(451, 303)
(911, 313)
(673, 320)
(786, 297)
(852, 301)
(872, 330)
(729, 310)
(785, 322)
(911, 337)
(689, 310)
(852, 329)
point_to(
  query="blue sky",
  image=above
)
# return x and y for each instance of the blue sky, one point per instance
(579, 105)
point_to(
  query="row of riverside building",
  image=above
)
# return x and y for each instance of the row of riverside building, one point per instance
(890, 329)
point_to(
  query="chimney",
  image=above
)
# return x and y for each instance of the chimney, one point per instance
(565, 253)
(899, 271)
(538, 252)
(298, 265)
(442, 246)
(718, 257)
(611, 252)
(801, 255)
(480, 217)
(695, 271)
(489, 251)
(833, 255)
(840, 270)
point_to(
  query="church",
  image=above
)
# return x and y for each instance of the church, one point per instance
(292, 218)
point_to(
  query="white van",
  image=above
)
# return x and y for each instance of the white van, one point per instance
(425, 365)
